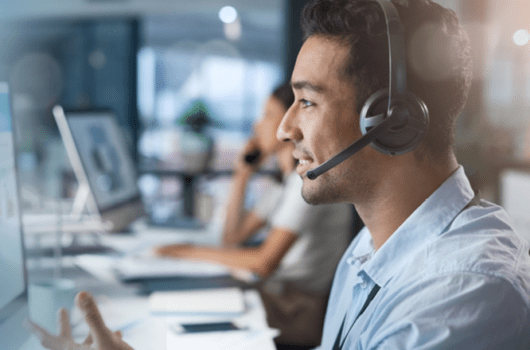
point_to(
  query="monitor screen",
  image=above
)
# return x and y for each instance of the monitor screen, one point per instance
(11, 267)
(13, 296)
(105, 156)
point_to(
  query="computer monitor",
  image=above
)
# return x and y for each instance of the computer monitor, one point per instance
(13, 287)
(102, 163)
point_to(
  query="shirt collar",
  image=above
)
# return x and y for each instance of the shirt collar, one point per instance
(429, 220)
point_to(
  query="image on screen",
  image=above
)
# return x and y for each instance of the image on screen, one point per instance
(107, 162)
(11, 256)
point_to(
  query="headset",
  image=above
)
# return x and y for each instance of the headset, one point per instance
(393, 121)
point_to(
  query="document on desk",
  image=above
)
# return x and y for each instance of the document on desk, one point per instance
(226, 301)
(140, 268)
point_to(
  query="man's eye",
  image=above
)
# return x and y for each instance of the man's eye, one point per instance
(306, 103)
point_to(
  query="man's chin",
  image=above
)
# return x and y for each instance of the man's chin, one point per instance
(309, 199)
(315, 197)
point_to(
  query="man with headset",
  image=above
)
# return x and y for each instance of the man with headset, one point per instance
(435, 267)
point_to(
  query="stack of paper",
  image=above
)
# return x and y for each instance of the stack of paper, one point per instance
(224, 301)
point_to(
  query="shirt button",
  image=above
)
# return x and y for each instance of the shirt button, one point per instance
(364, 284)
(350, 261)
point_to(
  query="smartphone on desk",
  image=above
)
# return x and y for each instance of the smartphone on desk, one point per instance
(185, 328)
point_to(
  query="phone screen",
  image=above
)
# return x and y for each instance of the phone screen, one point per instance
(209, 327)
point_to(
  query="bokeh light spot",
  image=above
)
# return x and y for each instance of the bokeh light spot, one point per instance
(228, 14)
(521, 37)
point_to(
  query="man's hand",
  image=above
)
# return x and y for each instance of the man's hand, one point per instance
(100, 337)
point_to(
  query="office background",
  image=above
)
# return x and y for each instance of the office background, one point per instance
(156, 62)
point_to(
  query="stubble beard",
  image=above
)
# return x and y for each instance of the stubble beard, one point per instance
(326, 189)
(341, 184)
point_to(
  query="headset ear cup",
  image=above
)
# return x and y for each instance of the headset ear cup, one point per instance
(401, 139)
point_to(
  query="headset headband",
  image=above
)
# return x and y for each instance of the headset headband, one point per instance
(405, 122)
(396, 52)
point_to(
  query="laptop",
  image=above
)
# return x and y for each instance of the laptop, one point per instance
(13, 288)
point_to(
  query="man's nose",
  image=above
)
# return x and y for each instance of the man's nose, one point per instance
(287, 130)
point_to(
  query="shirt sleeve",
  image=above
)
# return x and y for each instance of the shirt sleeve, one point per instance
(484, 312)
(265, 206)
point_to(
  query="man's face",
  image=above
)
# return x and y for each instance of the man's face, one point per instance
(323, 121)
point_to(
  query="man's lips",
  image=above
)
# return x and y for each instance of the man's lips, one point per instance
(302, 157)
(304, 161)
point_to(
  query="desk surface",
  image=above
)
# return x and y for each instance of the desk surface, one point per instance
(124, 308)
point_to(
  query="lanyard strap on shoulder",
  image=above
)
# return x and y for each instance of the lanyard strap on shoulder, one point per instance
(338, 345)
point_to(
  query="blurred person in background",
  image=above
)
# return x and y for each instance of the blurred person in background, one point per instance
(297, 260)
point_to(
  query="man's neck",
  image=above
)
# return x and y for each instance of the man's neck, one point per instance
(399, 195)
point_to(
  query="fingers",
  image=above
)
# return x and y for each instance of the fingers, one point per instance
(100, 333)
(46, 339)
(118, 334)
(88, 340)
(162, 251)
(169, 250)
(37, 330)
(64, 323)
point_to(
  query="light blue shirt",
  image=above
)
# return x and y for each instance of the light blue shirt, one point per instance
(451, 277)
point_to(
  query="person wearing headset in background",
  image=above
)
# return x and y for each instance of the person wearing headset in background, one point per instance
(435, 267)
(297, 260)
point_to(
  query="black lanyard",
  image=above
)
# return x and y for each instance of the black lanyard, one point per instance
(371, 296)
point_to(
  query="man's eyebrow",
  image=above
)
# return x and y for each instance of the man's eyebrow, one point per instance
(305, 85)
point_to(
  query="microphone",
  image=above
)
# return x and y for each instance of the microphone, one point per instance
(355, 147)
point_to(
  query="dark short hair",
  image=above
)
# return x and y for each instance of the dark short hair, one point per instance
(439, 66)
(284, 93)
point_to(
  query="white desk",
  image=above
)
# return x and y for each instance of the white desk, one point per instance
(124, 309)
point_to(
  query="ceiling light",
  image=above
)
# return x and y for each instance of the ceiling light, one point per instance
(228, 14)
